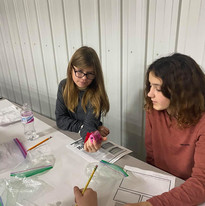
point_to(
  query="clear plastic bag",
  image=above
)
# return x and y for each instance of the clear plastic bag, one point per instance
(1, 202)
(38, 161)
(105, 177)
(22, 191)
(11, 154)
(105, 172)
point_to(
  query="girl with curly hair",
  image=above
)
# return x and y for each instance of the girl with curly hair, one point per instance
(175, 130)
(175, 127)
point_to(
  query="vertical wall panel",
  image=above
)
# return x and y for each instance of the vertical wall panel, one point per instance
(26, 52)
(203, 59)
(110, 12)
(3, 68)
(59, 39)
(45, 30)
(200, 38)
(134, 39)
(73, 25)
(11, 75)
(0, 86)
(162, 28)
(90, 23)
(36, 50)
(192, 31)
(19, 62)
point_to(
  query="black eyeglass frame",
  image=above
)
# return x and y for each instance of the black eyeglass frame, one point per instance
(81, 74)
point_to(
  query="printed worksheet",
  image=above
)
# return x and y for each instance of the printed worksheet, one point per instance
(109, 151)
(140, 185)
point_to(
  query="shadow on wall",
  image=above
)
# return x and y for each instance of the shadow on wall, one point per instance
(134, 127)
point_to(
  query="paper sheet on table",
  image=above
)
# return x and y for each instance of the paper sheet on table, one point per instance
(140, 185)
(9, 115)
(109, 151)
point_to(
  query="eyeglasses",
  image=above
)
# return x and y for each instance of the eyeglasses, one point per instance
(81, 74)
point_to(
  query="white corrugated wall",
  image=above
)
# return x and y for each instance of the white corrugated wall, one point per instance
(38, 37)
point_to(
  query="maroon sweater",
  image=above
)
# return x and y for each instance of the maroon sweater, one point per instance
(180, 152)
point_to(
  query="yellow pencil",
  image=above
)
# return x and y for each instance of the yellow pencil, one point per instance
(39, 143)
(96, 166)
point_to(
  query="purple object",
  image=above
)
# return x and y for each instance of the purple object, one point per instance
(21, 147)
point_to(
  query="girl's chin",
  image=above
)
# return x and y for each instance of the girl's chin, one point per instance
(158, 108)
(82, 87)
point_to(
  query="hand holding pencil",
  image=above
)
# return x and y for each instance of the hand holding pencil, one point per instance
(87, 197)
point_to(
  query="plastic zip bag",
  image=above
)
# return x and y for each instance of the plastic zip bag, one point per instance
(106, 172)
(107, 176)
(18, 191)
(1, 202)
(31, 171)
(36, 162)
(11, 154)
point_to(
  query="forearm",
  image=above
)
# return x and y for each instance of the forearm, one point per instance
(67, 123)
(90, 123)
(192, 192)
(64, 119)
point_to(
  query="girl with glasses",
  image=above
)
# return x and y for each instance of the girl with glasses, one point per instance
(82, 99)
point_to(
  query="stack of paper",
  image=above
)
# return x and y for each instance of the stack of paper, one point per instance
(9, 115)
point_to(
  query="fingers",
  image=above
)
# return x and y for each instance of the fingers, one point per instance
(91, 191)
(89, 198)
(104, 131)
(92, 147)
(104, 139)
(77, 192)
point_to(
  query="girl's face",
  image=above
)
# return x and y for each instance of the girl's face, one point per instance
(159, 101)
(83, 77)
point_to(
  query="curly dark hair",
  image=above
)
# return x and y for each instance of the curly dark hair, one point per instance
(183, 83)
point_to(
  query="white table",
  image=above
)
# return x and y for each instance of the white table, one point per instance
(69, 168)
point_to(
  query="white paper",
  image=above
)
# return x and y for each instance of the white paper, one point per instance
(109, 151)
(9, 115)
(140, 185)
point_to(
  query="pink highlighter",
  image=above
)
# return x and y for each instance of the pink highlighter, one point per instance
(95, 136)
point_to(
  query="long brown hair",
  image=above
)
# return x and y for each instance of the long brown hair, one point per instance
(95, 94)
(183, 83)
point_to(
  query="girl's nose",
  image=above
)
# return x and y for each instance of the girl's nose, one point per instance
(151, 92)
(84, 77)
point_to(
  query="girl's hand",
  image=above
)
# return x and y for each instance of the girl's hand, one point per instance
(104, 131)
(89, 198)
(93, 146)
(139, 204)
